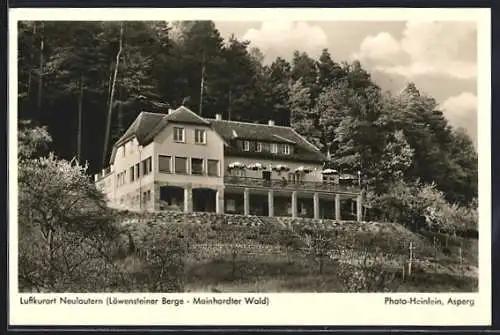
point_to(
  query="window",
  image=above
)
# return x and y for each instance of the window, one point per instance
(200, 136)
(164, 164)
(274, 148)
(137, 171)
(181, 165)
(123, 150)
(197, 166)
(132, 175)
(178, 134)
(259, 147)
(246, 145)
(146, 196)
(120, 178)
(146, 166)
(286, 149)
(213, 167)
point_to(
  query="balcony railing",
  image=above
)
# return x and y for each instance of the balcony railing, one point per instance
(290, 185)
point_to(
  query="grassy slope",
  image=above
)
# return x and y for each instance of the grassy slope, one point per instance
(261, 265)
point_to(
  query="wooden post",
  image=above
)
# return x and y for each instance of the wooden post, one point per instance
(411, 258)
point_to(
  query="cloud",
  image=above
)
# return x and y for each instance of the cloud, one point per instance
(379, 48)
(277, 38)
(461, 111)
(425, 48)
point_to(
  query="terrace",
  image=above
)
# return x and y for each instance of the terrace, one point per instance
(324, 187)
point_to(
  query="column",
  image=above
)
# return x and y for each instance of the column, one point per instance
(270, 200)
(156, 196)
(188, 199)
(246, 201)
(337, 208)
(316, 205)
(359, 208)
(294, 204)
(219, 201)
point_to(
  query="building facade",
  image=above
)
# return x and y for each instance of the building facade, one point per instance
(181, 161)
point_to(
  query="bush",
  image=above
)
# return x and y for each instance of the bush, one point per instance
(420, 206)
(161, 255)
(66, 233)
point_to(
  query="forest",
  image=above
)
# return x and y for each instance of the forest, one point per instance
(87, 81)
(81, 84)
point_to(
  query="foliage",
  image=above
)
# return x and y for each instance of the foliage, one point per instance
(65, 73)
(318, 243)
(32, 140)
(419, 205)
(66, 234)
(161, 257)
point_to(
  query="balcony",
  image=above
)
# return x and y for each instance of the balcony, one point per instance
(276, 184)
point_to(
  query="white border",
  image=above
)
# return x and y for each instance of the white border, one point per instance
(285, 309)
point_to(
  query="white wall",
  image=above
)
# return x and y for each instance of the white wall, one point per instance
(164, 144)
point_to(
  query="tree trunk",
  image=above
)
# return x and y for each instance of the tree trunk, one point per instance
(110, 105)
(202, 83)
(120, 110)
(40, 73)
(80, 120)
(230, 104)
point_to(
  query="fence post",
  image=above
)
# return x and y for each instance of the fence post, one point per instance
(411, 258)
(460, 256)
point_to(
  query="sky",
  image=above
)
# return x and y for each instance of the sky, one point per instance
(440, 57)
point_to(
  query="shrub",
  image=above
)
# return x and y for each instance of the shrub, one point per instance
(66, 233)
(423, 206)
(162, 261)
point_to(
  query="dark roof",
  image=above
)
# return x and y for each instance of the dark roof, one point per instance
(141, 127)
(234, 130)
(147, 125)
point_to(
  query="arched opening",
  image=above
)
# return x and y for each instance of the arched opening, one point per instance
(204, 200)
(171, 198)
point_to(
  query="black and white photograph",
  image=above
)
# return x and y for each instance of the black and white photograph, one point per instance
(220, 156)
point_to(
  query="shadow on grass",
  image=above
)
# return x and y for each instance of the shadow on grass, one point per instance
(438, 282)
(302, 275)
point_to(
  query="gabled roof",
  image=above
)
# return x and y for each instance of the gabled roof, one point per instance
(304, 150)
(148, 125)
(141, 127)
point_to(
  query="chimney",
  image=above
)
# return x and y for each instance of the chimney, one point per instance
(270, 122)
(170, 110)
(218, 116)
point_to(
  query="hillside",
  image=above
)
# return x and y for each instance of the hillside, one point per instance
(232, 253)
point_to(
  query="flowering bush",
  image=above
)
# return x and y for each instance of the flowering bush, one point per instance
(423, 206)
(66, 234)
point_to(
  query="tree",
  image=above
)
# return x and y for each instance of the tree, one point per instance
(302, 117)
(275, 90)
(111, 97)
(358, 140)
(304, 68)
(200, 44)
(332, 107)
(59, 208)
(329, 72)
(232, 84)
(396, 159)
(74, 66)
